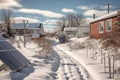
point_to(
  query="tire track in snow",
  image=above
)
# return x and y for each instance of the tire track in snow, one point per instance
(69, 68)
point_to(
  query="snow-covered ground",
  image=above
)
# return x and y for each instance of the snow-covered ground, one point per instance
(64, 63)
(94, 67)
(39, 69)
(70, 69)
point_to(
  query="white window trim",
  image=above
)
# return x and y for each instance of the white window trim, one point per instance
(107, 26)
(101, 22)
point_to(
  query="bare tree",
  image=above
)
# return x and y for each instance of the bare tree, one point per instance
(74, 20)
(6, 17)
(70, 20)
(61, 23)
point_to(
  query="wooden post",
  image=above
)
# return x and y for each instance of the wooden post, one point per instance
(90, 53)
(24, 32)
(104, 64)
(87, 50)
(101, 55)
(109, 63)
(96, 55)
(99, 51)
(113, 65)
(93, 52)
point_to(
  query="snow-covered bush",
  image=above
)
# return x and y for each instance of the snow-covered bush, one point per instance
(46, 46)
(76, 45)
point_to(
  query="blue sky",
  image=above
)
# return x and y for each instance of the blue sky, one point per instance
(49, 11)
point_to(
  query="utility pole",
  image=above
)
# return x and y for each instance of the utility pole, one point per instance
(108, 8)
(24, 32)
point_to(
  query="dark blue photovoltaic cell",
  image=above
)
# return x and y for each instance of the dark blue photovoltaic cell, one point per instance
(10, 60)
(20, 57)
(1, 38)
(1, 48)
(6, 45)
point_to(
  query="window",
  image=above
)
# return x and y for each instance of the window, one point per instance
(101, 27)
(109, 25)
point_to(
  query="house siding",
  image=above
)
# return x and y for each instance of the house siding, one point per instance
(94, 28)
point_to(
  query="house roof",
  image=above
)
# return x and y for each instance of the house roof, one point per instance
(27, 26)
(112, 14)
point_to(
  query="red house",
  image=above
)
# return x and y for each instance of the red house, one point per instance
(103, 25)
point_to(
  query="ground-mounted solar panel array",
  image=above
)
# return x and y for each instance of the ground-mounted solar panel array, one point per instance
(12, 57)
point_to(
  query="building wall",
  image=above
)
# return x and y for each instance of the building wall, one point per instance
(83, 31)
(70, 34)
(41, 30)
(94, 28)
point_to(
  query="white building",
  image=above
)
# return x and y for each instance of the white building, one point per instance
(83, 31)
(70, 31)
(34, 29)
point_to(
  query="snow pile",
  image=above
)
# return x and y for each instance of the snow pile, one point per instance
(77, 43)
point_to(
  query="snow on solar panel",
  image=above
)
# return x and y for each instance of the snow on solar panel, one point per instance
(11, 57)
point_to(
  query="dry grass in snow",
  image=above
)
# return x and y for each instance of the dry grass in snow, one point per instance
(76, 45)
(46, 46)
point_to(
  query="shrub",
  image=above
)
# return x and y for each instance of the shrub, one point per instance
(76, 45)
(46, 46)
(112, 40)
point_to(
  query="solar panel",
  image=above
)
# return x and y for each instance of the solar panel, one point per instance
(6, 45)
(1, 48)
(20, 57)
(12, 62)
(12, 57)
(1, 38)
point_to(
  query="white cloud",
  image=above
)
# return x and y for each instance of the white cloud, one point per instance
(96, 12)
(41, 12)
(7, 4)
(68, 10)
(87, 7)
(83, 7)
(20, 20)
(88, 20)
(51, 21)
(106, 7)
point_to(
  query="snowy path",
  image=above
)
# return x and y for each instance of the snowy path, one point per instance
(69, 68)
